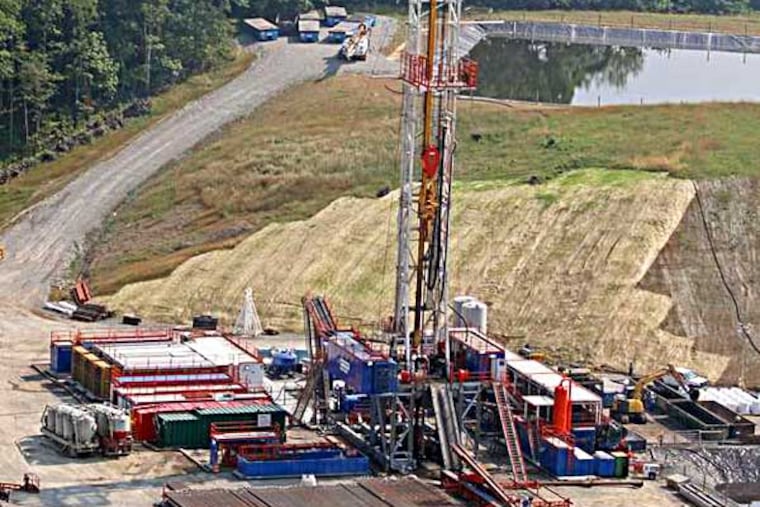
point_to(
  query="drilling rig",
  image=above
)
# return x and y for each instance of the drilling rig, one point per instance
(433, 74)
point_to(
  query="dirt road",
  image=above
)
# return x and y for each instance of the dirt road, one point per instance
(43, 241)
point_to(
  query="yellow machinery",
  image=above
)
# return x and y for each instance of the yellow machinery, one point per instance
(2, 253)
(632, 409)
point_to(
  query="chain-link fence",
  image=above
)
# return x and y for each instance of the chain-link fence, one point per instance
(735, 24)
(619, 36)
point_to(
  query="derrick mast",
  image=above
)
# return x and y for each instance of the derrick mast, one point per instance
(433, 74)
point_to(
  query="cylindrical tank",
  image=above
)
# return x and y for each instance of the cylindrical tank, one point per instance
(50, 418)
(459, 301)
(66, 427)
(59, 418)
(284, 358)
(111, 421)
(562, 413)
(476, 314)
(85, 427)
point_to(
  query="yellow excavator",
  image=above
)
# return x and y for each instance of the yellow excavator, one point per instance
(632, 409)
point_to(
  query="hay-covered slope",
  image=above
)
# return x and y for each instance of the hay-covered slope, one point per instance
(559, 264)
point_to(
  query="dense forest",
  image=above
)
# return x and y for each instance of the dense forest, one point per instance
(63, 63)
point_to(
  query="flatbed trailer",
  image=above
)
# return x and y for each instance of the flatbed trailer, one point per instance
(72, 449)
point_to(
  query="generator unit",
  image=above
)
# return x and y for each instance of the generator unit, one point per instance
(364, 371)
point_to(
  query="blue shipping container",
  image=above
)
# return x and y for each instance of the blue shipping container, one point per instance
(308, 36)
(336, 37)
(554, 456)
(60, 357)
(604, 464)
(333, 465)
(583, 463)
(478, 362)
(585, 438)
(364, 371)
(264, 35)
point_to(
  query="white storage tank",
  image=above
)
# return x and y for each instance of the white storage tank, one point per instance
(459, 302)
(476, 314)
(84, 425)
(50, 418)
(59, 417)
(64, 423)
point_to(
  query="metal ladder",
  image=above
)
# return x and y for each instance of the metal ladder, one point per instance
(510, 434)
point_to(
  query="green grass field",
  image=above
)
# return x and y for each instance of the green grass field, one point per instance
(48, 178)
(339, 137)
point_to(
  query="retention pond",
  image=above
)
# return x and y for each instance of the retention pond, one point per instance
(585, 75)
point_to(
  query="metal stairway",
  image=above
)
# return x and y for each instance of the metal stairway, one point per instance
(510, 434)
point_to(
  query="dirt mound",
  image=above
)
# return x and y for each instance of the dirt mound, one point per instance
(710, 269)
(558, 263)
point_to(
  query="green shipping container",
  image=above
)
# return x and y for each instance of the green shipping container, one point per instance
(258, 415)
(180, 429)
(621, 464)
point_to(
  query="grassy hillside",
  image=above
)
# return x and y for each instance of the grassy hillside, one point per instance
(47, 179)
(338, 137)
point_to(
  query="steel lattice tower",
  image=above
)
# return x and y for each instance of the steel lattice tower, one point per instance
(433, 74)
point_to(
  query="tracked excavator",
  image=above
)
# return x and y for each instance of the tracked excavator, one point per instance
(631, 409)
(356, 47)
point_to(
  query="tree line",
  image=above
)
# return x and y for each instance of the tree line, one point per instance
(62, 61)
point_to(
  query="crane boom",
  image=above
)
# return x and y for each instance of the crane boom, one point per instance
(644, 381)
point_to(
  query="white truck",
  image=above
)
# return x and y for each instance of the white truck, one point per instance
(356, 47)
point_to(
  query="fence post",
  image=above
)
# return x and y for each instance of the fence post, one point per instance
(600, 19)
(631, 21)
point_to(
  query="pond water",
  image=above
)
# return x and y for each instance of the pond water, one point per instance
(580, 74)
